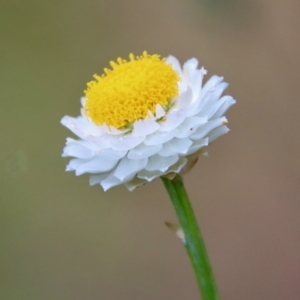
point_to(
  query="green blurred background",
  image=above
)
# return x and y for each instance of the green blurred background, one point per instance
(62, 239)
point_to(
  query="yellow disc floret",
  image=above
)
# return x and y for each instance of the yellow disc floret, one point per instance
(130, 89)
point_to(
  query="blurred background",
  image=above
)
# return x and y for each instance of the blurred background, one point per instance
(62, 239)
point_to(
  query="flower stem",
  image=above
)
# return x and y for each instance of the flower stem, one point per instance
(194, 243)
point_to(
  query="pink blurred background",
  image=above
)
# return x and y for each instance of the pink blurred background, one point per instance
(62, 239)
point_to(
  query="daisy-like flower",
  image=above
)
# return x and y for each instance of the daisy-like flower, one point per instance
(145, 118)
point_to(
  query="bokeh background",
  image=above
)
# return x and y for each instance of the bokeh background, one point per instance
(62, 239)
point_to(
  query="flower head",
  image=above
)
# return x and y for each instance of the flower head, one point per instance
(145, 118)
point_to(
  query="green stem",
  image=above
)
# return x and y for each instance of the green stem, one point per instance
(194, 243)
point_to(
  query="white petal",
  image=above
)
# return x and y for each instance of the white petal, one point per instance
(223, 104)
(172, 120)
(111, 130)
(83, 143)
(109, 182)
(82, 101)
(181, 145)
(74, 164)
(159, 112)
(184, 74)
(143, 151)
(149, 175)
(210, 101)
(134, 183)
(77, 151)
(128, 168)
(183, 84)
(175, 64)
(189, 126)
(184, 100)
(175, 146)
(197, 145)
(144, 127)
(204, 129)
(81, 127)
(211, 84)
(111, 154)
(102, 142)
(160, 163)
(96, 165)
(150, 115)
(126, 142)
(190, 66)
(96, 179)
(210, 109)
(83, 113)
(177, 113)
(96, 150)
(215, 133)
(182, 161)
(217, 91)
(196, 82)
(158, 138)
(200, 106)
(193, 108)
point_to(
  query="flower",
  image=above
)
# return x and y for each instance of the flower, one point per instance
(145, 118)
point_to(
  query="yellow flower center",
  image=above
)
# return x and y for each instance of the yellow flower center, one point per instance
(132, 88)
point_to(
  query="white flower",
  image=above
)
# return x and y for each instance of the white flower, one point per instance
(122, 140)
